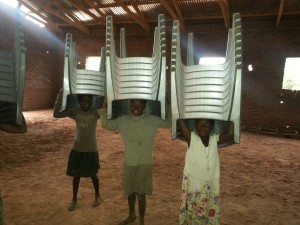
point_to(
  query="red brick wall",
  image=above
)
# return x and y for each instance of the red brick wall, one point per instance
(43, 71)
(264, 46)
(44, 67)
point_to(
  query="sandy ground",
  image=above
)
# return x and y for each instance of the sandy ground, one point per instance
(260, 178)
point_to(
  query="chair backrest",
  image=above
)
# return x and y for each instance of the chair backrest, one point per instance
(207, 91)
(81, 81)
(12, 77)
(136, 77)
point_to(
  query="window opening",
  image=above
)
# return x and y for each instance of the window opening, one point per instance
(291, 77)
(92, 63)
(212, 60)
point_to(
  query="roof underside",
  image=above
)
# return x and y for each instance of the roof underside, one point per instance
(85, 14)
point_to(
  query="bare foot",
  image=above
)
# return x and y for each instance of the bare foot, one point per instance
(97, 201)
(128, 220)
(72, 205)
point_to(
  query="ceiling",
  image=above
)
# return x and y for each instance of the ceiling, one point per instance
(86, 14)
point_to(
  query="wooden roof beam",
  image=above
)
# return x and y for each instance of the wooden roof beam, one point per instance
(102, 15)
(224, 7)
(227, 12)
(172, 13)
(139, 20)
(136, 8)
(63, 17)
(88, 12)
(180, 17)
(66, 12)
(282, 2)
(169, 9)
(48, 23)
(92, 5)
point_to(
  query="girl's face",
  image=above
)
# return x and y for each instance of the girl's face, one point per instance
(137, 107)
(85, 103)
(203, 127)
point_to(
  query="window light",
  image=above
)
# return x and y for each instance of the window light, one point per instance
(291, 77)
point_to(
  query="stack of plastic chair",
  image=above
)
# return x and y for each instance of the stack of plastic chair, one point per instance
(80, 81)
(121, 107)
(136, 77)
(12, 78)
(208, 91)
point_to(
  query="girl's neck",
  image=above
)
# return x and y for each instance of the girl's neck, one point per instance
(205, 140)
(136, 118)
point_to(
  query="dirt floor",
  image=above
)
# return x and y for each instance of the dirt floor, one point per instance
(260, 178)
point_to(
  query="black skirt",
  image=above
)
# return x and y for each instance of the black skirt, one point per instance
(83, 164)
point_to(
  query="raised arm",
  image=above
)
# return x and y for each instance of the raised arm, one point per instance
(57, 113)
(185, 131)
(227, 136)
(14, 128)
(105, 123)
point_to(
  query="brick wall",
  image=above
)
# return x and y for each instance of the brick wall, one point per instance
(43, 59)
(44, 67)
(264, 46)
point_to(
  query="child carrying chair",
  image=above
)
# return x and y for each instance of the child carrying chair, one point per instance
(83, 159)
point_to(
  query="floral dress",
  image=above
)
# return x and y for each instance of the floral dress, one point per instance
(200, 197)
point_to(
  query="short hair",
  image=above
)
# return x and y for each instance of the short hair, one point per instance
(81, 96)
(212, 122)
(144, 102)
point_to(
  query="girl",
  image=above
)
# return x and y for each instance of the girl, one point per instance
(138, 131)
(200, 197)
(83, 159)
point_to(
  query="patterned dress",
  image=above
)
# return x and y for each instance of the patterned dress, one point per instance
(200, 197)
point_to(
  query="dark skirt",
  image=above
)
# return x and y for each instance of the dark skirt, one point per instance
(83, 164)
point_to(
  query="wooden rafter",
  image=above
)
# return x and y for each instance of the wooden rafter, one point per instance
(88, 12)
(180, 17)
(58, 14)
(282, 2)
(66, 12)
(169, 9)
(136, 8)
(48, 23)
(173, 14)
(224, 7)
(227, 12)
(92, 5)
(138, 19)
